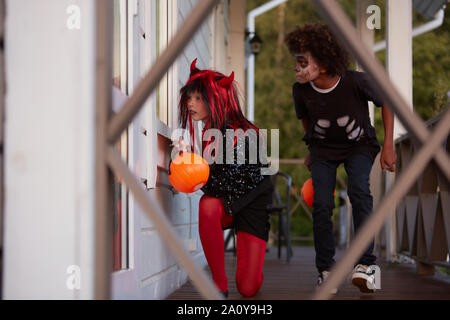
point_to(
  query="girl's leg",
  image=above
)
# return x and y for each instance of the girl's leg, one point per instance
(212, 218)
(250, 260)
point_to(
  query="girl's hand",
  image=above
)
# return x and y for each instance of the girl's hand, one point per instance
(308, 161)
(180, 145)
(388, 158)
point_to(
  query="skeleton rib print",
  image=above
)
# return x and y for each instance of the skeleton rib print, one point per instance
(354, 131)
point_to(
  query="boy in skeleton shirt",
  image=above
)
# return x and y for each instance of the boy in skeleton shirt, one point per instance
(332, 103)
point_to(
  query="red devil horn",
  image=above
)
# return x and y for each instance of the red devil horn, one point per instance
(226, 81)
(194, 68)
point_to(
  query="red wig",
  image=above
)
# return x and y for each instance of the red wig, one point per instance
(220, 96)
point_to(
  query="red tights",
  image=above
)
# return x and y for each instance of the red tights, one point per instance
(250, 249)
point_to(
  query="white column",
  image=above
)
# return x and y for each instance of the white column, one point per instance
(49, 154)
(366, 35)
(399, 50)
(399, 66)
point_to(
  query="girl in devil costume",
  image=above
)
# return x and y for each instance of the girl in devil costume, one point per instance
(236, 194)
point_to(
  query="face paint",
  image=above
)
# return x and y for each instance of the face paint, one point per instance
(306, 69)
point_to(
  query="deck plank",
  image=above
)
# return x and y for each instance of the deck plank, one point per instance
(296, 281)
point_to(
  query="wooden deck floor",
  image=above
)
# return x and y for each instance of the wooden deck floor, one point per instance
(296, 281)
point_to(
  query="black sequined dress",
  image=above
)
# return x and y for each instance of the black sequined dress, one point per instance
(245, 192)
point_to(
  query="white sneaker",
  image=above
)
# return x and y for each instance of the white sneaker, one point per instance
(367, 278)
(321, 279)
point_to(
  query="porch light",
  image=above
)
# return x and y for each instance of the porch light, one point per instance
(255, 43)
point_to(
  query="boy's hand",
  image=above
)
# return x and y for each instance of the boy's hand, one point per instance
(388, 158)
(308, 161)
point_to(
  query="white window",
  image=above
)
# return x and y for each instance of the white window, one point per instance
(167, 91)
(120, 91)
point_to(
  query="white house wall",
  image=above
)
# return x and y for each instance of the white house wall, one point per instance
(200, 47)
(154, 272)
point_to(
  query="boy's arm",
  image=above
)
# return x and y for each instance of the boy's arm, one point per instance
(388, 156)
(306, 125)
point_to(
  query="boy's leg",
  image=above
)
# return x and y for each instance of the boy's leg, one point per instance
(358, 169)
(324, 182)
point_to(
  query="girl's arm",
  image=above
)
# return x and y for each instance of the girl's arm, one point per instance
(388, 156)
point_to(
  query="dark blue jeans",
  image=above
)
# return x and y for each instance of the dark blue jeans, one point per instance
(323, 174)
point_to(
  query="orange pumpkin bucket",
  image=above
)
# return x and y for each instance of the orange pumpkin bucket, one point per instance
(188, 172)
(308, 192)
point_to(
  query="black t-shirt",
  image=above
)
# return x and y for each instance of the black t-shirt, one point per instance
(340, 122)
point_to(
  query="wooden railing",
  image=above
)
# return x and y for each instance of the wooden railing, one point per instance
(423, 215)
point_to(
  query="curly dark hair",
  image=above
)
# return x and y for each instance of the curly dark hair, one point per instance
(319, 41)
